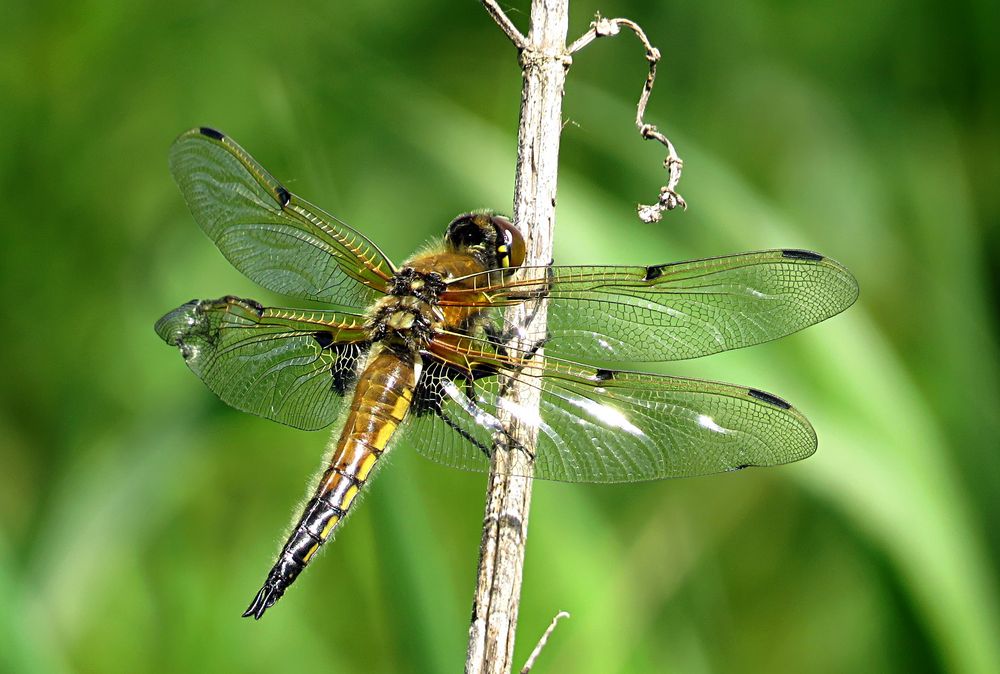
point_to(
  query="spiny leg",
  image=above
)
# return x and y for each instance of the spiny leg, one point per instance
(487, 451)
(500, 337)
(470, 403)
(523, 361)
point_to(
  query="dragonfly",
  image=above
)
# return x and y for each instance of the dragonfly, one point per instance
(424, 352)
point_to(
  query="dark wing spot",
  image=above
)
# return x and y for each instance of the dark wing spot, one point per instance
(344, 371)
(284, 196)
(211, 133)
(794, 254)
(255, 305)
(768, 398)
(345, 368)
(654, 272)
(742, 466)
(604, 375)
(228, 300)
(430, 393)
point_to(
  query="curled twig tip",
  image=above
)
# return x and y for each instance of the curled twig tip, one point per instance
(604, 27)
(668, 199)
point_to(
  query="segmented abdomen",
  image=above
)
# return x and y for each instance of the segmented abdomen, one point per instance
(380, 403)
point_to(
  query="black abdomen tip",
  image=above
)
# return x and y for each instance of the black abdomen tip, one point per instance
(281, 576)
(211, 133)
(795, 254)
(264, 600)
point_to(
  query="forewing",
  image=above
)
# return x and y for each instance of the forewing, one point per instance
(605, 426)
(667, 312)
(277, 239)
(288, 365)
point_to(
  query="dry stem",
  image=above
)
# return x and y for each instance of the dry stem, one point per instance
(544, 60)
(501, 557)
(506, 25)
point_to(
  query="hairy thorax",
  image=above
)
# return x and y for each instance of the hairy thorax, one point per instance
(412, 312)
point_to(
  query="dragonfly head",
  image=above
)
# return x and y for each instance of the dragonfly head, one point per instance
(489, 236)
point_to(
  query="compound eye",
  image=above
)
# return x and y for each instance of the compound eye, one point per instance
(466, 231)
(510, 243)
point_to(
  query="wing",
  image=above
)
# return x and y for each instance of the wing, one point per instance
(277, 239)
(291, 366)
(597, 425)
(667, 312)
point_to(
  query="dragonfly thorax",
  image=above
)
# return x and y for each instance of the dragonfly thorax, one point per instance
(410, 313)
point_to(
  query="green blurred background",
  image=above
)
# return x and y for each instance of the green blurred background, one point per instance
(139, 514)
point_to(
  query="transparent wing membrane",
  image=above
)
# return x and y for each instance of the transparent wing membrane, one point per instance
(667, 312)
(446, 357)
(594, 424)
(277, 239)
(288, 365)
(598, 425)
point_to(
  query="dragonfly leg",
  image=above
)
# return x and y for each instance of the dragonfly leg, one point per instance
(501, 337)
(487, 451)
(541, 292)
(524, 359)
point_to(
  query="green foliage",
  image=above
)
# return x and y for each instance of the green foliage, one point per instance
(138, 514)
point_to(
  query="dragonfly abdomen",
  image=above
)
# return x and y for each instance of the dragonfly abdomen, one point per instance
(380, 403)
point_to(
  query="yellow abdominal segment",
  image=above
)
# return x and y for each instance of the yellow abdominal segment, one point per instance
(381, 402)
(366, 467)
(348, 497)
(383, 435)
(329, 527)
(401, 405)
